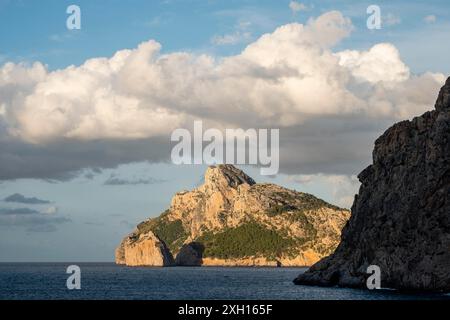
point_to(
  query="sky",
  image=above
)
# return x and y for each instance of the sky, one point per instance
(86, 115)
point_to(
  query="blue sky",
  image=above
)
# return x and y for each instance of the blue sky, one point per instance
(99, 215)
(32, 30)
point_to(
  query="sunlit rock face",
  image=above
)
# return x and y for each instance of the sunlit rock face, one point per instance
(231, 220)
(145, 249)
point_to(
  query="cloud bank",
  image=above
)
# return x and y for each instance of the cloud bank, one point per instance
(19, 198)
(32, 220)
(329, 105)
(117, 181)
(342, 187)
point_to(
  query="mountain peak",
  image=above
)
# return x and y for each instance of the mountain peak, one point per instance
(226, 175)
(443, 100)
(232, 221)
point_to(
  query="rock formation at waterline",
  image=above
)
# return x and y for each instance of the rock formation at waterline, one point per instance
(401, 217)
(232, 221)
(143, 249)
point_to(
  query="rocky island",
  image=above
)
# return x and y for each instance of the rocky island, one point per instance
(401, 217)
(231, 220)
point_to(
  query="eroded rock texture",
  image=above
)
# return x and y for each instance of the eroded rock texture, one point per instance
(401, 218)
(234, 221)
(145, 249)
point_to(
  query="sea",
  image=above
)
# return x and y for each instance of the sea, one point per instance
(99, 281)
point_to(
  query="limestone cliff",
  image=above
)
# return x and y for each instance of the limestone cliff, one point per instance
(401, 218)
(143, 249)
(231, 220)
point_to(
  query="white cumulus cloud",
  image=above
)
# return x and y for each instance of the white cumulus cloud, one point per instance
(324, 100)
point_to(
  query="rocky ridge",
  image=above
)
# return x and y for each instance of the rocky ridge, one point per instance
(231, 220)
(401, 218)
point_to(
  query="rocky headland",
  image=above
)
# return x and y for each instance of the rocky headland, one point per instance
(401, 217)
(231, 220)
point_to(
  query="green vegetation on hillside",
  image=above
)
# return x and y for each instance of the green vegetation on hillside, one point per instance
(246, 240)
(251, 238)
(171, 232)
(277, 210)
(308, 202)
(308, 227)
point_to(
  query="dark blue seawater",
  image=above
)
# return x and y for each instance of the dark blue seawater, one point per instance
(108, 281)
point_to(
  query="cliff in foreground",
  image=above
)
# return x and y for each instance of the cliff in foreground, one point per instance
(401, 218)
